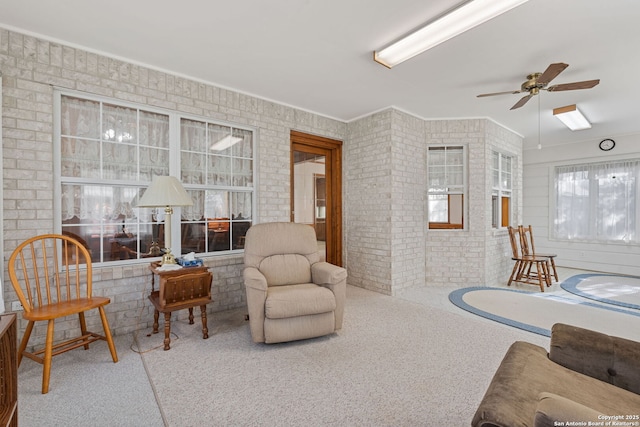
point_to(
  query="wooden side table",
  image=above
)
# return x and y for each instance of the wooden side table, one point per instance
(187, 287)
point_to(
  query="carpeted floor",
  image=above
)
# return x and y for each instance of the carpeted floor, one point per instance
(394, 363)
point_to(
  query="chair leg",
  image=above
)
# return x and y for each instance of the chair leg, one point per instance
(48, 353)
(83, 327)
(541, 274)
(107, 334)
(514, 272)
(25, 340)
(553, 267)
(524, 266)
(547, 272)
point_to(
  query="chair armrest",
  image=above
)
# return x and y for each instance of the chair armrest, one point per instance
(323, 273)
(610, 359)
(554, 410)
(335, 279)
(256, 286)
(254, 279)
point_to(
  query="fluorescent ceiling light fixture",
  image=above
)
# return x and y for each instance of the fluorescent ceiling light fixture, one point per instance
(572, 117)
(225, 143)
(458, 20)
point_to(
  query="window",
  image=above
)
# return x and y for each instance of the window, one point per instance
(597, 202)
(446, 186)
(501, 190)
(217, 163)
(109, 153)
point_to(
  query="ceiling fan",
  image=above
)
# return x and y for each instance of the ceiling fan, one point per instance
(539, 81)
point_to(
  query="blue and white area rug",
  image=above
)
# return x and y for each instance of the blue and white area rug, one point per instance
(623, 291)
(538, 312)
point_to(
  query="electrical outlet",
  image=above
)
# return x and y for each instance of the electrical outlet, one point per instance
(16, 306)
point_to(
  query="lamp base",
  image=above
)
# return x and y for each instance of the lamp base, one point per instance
(168, 257)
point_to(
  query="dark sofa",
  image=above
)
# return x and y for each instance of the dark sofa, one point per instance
(586, 378)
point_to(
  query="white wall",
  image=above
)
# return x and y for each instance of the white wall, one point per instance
(304, 190)
(537, 201)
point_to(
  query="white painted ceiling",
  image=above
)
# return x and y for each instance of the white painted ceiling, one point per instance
(317, 54)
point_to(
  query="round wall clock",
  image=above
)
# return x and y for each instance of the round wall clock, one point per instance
(607, 144)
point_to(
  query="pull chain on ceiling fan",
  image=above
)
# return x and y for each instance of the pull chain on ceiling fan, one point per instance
(539, 143)
(539, 81)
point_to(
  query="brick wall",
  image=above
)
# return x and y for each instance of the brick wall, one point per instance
(367, 202)
(477, 255)
(408, 218)
(457, 256)
(31, 67)
(498, 262)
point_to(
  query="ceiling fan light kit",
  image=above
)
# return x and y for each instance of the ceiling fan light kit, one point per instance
(572, 117)
(465, 16)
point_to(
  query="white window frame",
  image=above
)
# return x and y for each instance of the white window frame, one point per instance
(174, 169)
(448, 190)
(503, 189)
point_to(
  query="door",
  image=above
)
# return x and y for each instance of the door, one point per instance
(316, 190)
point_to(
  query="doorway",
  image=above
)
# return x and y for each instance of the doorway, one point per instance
(316, 190)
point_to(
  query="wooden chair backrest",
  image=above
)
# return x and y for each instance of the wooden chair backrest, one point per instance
(49, 269)
(516, 241)
(526, 234)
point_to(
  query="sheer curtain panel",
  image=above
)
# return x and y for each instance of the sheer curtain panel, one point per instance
(597, 202)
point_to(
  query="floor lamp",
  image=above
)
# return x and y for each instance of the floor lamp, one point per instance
(167, 192)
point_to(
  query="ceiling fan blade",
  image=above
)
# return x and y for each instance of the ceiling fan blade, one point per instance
(499, 93)
(552, 72)
(587, 84)
(522, 101)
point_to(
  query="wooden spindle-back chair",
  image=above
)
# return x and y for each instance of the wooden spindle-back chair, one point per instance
(523, 269)
(529, 248)
(52, 276)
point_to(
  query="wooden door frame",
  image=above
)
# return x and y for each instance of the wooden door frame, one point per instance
(332, 150)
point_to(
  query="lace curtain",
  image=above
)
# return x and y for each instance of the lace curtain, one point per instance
(101, 141)
(213, 154)
(597, 202)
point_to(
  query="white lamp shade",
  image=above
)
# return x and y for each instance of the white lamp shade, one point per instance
(165, 191)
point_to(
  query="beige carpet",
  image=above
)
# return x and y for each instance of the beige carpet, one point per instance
(395, 363)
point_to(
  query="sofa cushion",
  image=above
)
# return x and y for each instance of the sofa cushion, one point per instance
(526, 371)
(298, 300)
(287, 269)
(554, 410)
(605, 357)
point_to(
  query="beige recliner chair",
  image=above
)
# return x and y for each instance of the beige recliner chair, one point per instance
(291, 294)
